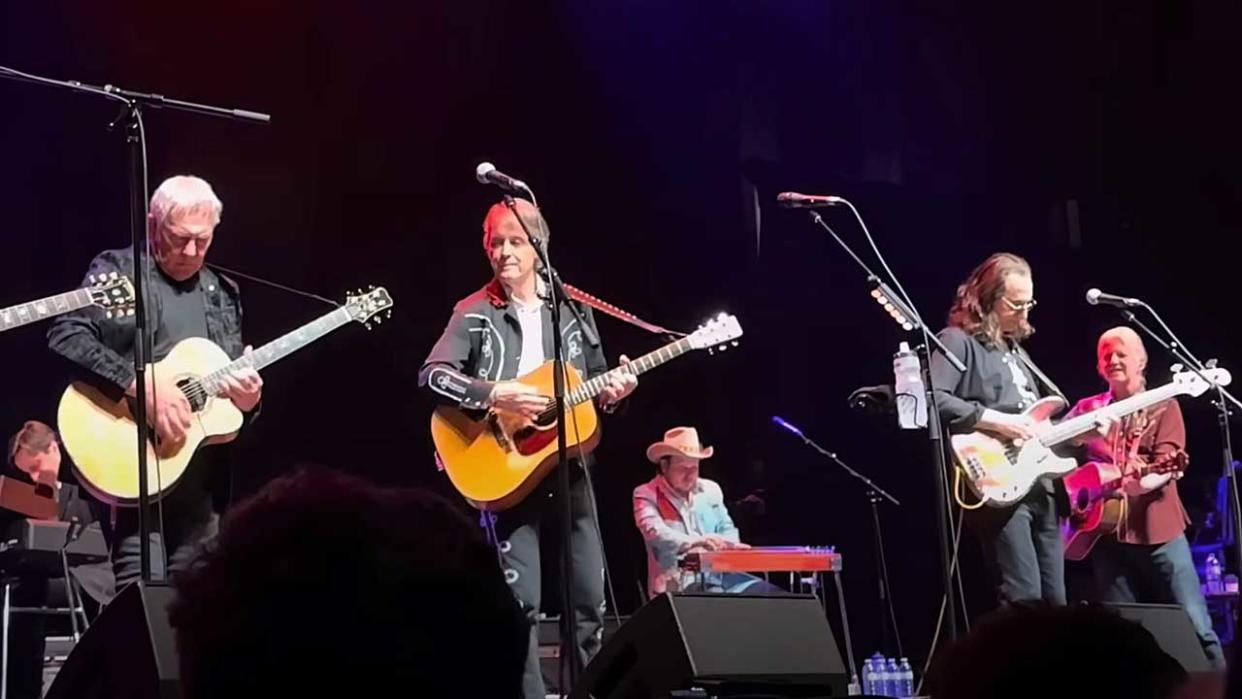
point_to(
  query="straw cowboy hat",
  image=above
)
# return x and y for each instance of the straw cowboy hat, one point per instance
(683, 441)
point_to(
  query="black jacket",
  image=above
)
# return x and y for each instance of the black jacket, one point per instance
(482, 344)
(101, 351)
(103, 348)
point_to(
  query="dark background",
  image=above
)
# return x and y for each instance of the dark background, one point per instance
(1098, 139)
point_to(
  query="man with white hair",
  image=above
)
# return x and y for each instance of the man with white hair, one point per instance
(185, 299)
(1148, 559)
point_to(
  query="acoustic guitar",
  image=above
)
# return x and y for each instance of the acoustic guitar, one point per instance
(495, 458)
(102, 436)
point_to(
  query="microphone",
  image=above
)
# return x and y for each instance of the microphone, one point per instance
(487, 173)
(794, 200)
(781, 421)
(1096, 297)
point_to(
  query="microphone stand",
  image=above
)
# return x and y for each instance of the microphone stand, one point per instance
(911, 321)
(569, 637)
(1178, 349)
(130, 115)
(874, 496)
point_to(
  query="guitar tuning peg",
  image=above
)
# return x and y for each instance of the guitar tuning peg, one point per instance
(735, 343)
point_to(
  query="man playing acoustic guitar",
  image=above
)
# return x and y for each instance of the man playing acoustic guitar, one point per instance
(501, 332)
(1148, 558)
(186, 300)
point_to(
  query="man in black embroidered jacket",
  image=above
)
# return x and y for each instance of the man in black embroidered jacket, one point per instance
(186, 300)
(496, 334)
(988, 321)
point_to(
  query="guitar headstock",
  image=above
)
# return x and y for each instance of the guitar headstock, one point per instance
(373, 305)
(1192, 384)
(112, 292)
(719, 333)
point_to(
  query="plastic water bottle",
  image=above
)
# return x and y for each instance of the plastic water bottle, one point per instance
(908, 392)
(871, 674)
(1212, 571)
(892, 678)
(905, 687)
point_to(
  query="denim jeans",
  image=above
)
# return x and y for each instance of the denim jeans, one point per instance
(1024, 548)
(1156, 574)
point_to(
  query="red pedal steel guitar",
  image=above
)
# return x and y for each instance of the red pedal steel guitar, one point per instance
(1098, 505)
(1002, 472)
(494, 459)
(111, 292)
(764, 559)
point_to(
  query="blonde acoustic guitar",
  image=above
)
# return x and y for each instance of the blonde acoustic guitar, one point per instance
(494, 459)
(101, 434)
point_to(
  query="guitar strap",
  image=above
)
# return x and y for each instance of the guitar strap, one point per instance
(604, 307)
(1043, 378)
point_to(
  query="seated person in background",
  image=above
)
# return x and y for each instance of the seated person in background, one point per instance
(1033, 649)
(324, 585)
(34, 457)
(678, 513)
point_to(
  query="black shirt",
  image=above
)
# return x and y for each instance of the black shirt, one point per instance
(995, 378)
(183, 311)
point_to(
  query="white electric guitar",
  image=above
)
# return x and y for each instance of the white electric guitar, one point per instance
(1001, 472)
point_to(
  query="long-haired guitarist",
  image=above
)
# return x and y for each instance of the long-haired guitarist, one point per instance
(496, 334)
(987, 323)
(1148, 559)
(186, 300)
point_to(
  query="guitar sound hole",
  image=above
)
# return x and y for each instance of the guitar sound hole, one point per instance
(194, 393)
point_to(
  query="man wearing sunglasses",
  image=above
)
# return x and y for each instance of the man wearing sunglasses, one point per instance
(988, 322)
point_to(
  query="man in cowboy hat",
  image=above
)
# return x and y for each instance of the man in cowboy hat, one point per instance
(678, 513)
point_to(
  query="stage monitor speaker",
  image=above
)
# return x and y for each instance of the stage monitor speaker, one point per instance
(727, 644)
(129, 652)
(1174, 633)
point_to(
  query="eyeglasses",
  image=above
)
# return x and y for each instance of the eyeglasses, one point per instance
(1018, 307)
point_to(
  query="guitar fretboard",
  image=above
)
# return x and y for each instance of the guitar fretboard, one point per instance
(589, 389)
(26, 313)
(279, 348)
(1082, 424)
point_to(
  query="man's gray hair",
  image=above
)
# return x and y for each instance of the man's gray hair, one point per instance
(183, 194)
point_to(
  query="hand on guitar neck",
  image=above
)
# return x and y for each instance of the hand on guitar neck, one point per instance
(1144, 477)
